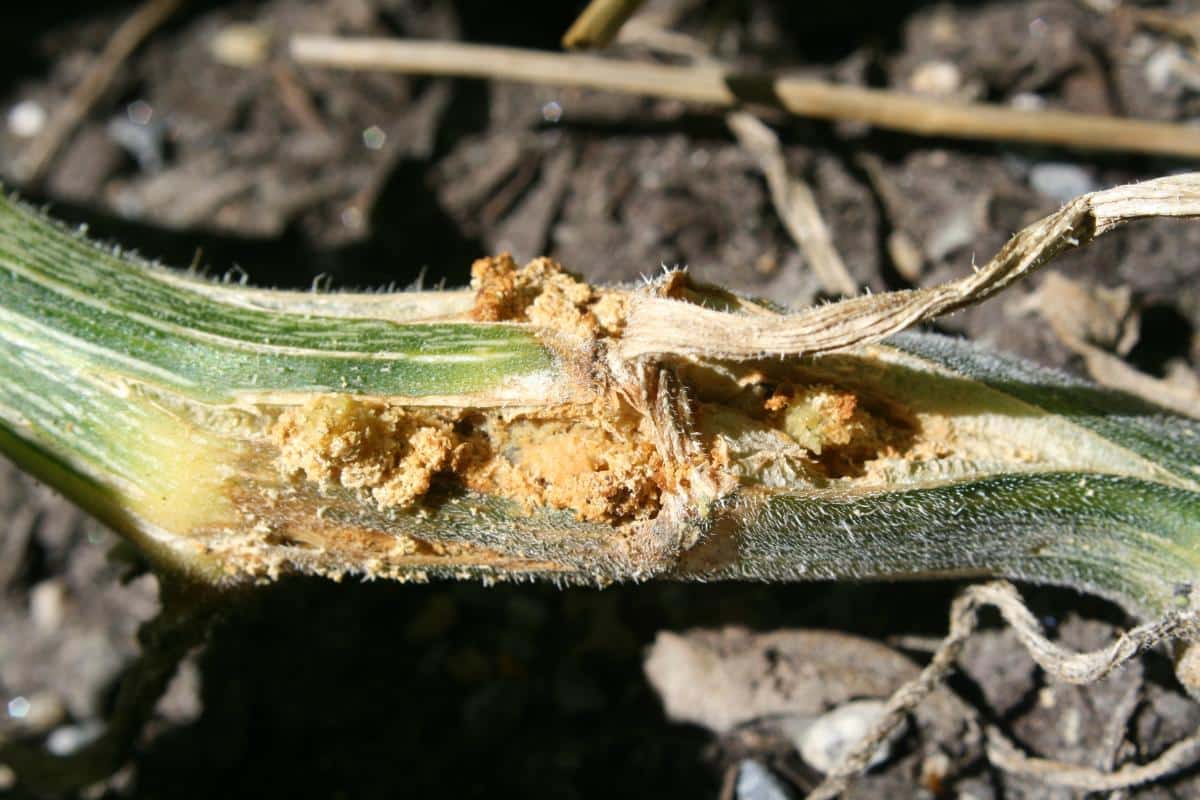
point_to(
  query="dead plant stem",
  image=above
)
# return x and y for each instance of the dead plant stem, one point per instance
(795, 204)
(657, 325)
(721, 87)
(599, 24)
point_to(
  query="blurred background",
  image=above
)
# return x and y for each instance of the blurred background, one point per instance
(209, 145)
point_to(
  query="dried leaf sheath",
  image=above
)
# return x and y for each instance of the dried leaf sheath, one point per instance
(656, 326)
(524, 430)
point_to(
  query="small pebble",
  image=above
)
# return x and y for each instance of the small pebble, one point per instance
(936, 79)
(47, 605)
(18, 707)
(43, 711)
(1027, 101)
(37, 712)
(756, 782)
(26, 119)
(831, 735)
(139, 112)
(241, 45)
(67, 739)
(374, 138)
(145, 141)
(352, 217)
(1061, 181)
(1162, 67)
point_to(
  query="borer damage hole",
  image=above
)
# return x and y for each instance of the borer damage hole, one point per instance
(605, 460)
(593, 460)
(380, 449)
(544, 294)
(597, 460)
(786, 426)
(840, 428)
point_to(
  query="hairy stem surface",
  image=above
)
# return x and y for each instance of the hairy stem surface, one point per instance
(515, 431)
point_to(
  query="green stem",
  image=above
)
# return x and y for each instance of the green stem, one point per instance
(151, 399)
(95, 309)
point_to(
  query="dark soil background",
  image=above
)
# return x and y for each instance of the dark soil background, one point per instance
(294, 177)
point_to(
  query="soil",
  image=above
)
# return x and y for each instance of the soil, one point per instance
(295, 177)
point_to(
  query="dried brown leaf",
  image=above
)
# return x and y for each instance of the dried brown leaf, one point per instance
(659, 326)
(794, 202)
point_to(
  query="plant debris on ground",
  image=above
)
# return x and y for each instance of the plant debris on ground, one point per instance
(209, 139)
